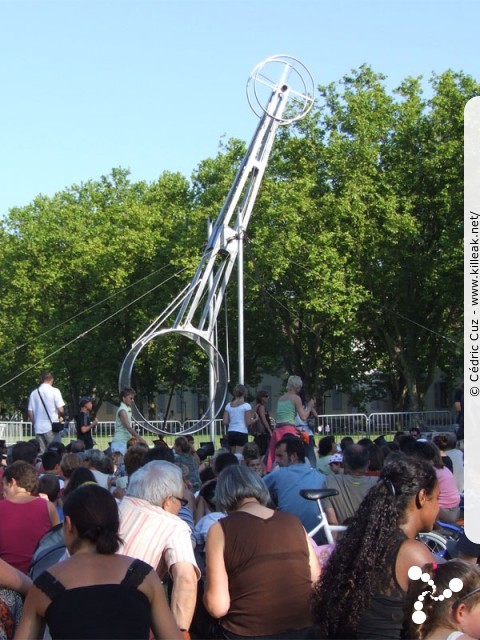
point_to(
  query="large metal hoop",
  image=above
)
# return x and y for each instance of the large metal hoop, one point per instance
(215, 361)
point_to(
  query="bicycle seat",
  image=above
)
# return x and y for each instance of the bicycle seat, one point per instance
(318, 494)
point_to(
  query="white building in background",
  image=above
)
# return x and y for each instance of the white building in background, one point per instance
(191, 406)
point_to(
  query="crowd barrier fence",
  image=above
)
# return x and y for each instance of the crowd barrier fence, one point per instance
(351, 424)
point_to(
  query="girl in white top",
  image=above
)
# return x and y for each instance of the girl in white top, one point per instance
(456, 616)
(238, 416)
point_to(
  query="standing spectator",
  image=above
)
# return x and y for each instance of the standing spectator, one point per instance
(262, 427)
(84, 424)
(24, 517)
(123, 420)
(42, 416)
(288, 406)
(238, 416)
(303, 425)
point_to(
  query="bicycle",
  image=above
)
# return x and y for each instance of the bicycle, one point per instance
(442, 540)
(323, 525)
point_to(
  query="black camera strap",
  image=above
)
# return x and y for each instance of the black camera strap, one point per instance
(46, 411)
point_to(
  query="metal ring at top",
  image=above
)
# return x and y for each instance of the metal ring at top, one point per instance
(294, 75)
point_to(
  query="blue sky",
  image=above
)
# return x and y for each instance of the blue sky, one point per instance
(153, 85)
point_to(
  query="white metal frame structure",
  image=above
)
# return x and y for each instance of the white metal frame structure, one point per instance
(197, 306)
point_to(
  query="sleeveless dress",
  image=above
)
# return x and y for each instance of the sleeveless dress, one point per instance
(107, 611)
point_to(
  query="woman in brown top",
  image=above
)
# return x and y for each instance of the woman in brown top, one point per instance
(260, 566)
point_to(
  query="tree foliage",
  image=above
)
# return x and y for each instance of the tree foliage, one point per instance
(353, 255)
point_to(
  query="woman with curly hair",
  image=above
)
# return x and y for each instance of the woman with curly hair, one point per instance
(456, 616)
(362, 591)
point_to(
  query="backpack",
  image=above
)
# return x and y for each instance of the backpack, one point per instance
(48, 552)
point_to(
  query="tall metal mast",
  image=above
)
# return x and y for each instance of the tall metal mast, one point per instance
(197, 306)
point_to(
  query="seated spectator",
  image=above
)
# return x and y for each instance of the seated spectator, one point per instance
(183, 457)
(204, 523)
(24, 517)
(152, 531)
(26, 451)
(449, 498)
(415, 432)
(159, 452)
(51, 465)
(96, 593)
(95, 461)
(408, 445)
(326, 448)
(441, 441)
(248, 555)
(49, 485)
(336, 463)
(285, 483)
(14, 586)
(376, 552)
(346, 442)
(76, 446)
(352, 486)
(376, 460)
(252, 459)
(456, 456)
(455, 616)
(365, 442)
(467, 550)
(68, 464)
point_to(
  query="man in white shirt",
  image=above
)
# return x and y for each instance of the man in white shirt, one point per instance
(42, 414)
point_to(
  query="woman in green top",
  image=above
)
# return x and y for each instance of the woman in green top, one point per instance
(287, 408)
(123, 420)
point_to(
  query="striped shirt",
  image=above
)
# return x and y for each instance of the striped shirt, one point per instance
(154, 535)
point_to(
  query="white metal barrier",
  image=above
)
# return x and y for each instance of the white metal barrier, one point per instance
(346, 424)
(12, 432)
(382, 423)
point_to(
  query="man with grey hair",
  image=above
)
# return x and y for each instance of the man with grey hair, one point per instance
(152, 531)
(95, 461)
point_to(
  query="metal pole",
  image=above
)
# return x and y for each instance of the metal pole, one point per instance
(241, 360)
(211, 354)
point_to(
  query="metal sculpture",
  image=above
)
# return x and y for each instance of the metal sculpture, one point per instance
(198, 304)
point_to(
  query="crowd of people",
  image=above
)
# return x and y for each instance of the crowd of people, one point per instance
(153, 542)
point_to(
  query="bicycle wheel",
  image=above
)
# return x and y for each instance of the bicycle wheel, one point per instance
(434, 541)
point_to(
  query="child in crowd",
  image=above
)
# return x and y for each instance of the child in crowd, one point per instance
(448, 609)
